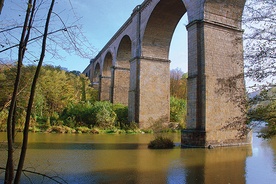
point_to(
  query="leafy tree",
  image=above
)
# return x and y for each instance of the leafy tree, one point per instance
(55, 89)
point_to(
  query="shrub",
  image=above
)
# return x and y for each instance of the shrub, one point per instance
(77, 114)
(60, 129)
(83, 129)
(178, 111)
(122, 114)
(102, 115)
(161, 142)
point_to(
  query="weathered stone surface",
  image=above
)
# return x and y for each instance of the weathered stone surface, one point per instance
(120, 86)
(104, 91)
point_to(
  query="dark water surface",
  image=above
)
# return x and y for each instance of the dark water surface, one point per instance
(87, 158)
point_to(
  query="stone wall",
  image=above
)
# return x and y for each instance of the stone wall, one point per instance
(121, 86)
(154, 92)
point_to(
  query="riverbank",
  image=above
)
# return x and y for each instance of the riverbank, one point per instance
(131, 129)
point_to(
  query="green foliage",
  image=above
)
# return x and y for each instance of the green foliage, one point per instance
(103, 115)
(66, 99)
(263, 109)
(265, 113)
(56, 89)
(3, 119)
(178, 111)
(60, 129)
(77, 114)
(122, 114)
(99, 114)
(161, 142)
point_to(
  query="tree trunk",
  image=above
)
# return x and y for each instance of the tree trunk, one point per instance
(31, 99)
(9, 175)
(1, 5)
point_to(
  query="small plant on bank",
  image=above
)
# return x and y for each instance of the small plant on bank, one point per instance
(161, 142)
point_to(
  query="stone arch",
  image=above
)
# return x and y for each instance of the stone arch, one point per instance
(160, 28)
(105, 79)
(107, 64)
(124, 52)
(97, 73)
(120, 72)
(154, 66)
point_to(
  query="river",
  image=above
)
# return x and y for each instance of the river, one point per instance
(86, 158)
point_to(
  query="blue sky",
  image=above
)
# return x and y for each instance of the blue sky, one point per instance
(100, 19)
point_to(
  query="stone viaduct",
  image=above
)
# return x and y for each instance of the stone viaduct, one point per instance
(133, 68)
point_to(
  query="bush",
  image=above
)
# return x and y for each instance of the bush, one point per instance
(78, 114)
(60, 129)
(102, 115)
(161, 142)
(83, 130)
(122, 114)
(178, 111)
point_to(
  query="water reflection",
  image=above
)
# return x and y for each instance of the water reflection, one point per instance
(126, 159)
(87, 146)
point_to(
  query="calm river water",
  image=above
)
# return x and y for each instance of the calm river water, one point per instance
(88, 159)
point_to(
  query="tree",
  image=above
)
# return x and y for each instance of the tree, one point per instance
(40, 34)
(1, 5)
(31, 99)
(9, 175)
(260, 41)
(260, 60)
(262, 109)
(178, 83)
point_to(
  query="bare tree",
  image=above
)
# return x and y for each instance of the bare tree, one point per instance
(260, 41)
(178, 83)
(31, 99)
(260, 60)
(1, 5)
(65, 37)
(10, 123)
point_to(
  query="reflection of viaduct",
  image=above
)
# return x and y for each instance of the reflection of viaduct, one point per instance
(133, 67)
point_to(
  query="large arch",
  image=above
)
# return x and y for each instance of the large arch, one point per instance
(105, 79)
(160, 28)
(124, 52)
(154, 68)
(107, 64)
(120, 72)
(97, 73)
